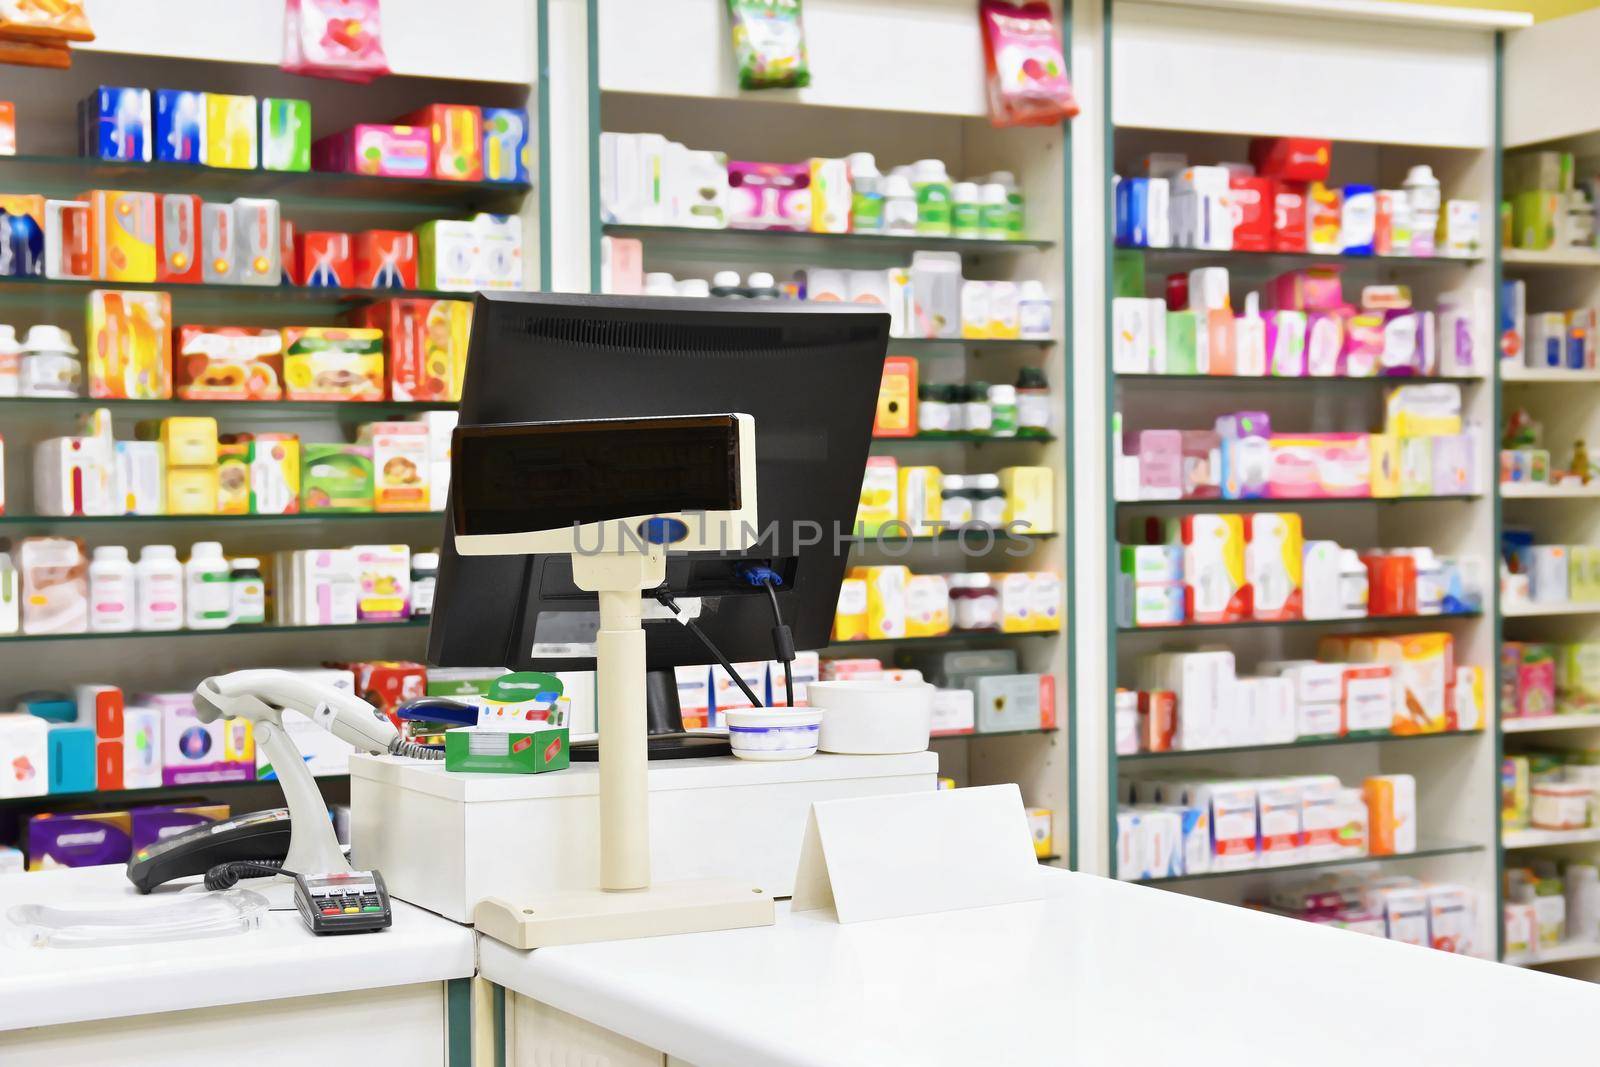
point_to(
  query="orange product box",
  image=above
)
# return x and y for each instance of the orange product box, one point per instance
(229, 363)
(386, 684)
(386, 259)
(130, 345)
(30, 204)
(457, 132)
(897, 399)
(178, 238)
(426, 345)
(123, 248)
(8, 128)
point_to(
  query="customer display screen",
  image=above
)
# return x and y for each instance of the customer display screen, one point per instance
(547, 476)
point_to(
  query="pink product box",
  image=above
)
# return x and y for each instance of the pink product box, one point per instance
(1323, 465)
(1363, 345)
(1307, 289)
(769, 196)
(379, 150)
(1452, 465)
(1160, 454)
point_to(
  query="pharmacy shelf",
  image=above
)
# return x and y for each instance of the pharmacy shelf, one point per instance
(1566, 950)
(1538, 724)
(680, 236)
(1517, 372)
(231, 631)
(1234, 381)
(1427, 851)
(1539, 611)
(982, 533)
(299, 519)
(69, 175)
(1279, 503)
(1259, 624)
(233, 409)
(1324, 742)
(123, 797)
(231, 295)
(953, 637)
(973, 342)
(1512, 839)
(1542, 491)
(1550, 257)
(1236, 258)
(956, 736)
(969, 438)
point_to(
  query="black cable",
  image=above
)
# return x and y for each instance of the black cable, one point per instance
(666, 599)
(227, 875)
(782, 642)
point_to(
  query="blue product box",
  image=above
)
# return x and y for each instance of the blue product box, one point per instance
(71, 759)
(180, 126)
(115, 124)
(1133, 209)
(505, 144)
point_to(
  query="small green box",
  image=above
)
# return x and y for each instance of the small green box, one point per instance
(285, 134)
(335, 477)
(506, 751)
(1127, 273)
(1182, 358)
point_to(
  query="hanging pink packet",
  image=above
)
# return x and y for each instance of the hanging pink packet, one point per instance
(1028, 84)
(340, 39)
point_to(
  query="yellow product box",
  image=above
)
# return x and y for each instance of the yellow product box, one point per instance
(1583, 573)
(927, 605)
(1039, 826)
(880, 490)
(129, 353)
(886, 599)
(233, 479)
(1045, 601)
(1424, 671)
(1016, 602)
(919, 499)
(850, 617)
(231, 132)
(1030, 499)
(1423, 410)
(1385, 451)
(192, 490)
(122, 245)
(186, 440)
(336, 363)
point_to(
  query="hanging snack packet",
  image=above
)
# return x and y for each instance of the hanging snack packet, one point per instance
(769, 43)
(1028, 84)
(56, 21)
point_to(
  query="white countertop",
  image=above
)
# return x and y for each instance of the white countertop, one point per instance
(1099, 972)
(49, 986)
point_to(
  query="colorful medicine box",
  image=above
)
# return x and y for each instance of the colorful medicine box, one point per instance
(426, 345)
(324, 260)
(377, 150)
(178, 249)
(285, 134)
(456, 133)
(233, 479)
(400, 465)
(258, 231)
(115, 124)
(384, 582)
(505, 751)
(186, 440)
(180, 126)
(232, 133)
(123, 244)
(1213, 568)
(130, 345)
(505, 145)
(335, 478)
(897, 399)
(332, 363)
(386, 259)
(272, 462)
(229, 363)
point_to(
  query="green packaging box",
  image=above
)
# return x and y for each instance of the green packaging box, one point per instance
(506, 752)
(285, 134)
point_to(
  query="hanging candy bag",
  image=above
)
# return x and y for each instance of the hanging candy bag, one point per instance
(1028, 84)
(769, 42)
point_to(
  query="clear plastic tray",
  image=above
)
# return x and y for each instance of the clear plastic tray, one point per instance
(177, 917)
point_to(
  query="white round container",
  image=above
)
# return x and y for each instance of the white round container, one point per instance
(765, 734)
(873, 717)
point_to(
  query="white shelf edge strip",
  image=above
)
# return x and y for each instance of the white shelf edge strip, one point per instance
(1540, 838)
(1541, 723)
(1371, 11)
(1567, 950)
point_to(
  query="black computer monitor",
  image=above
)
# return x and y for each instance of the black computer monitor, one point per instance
(807, 373)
